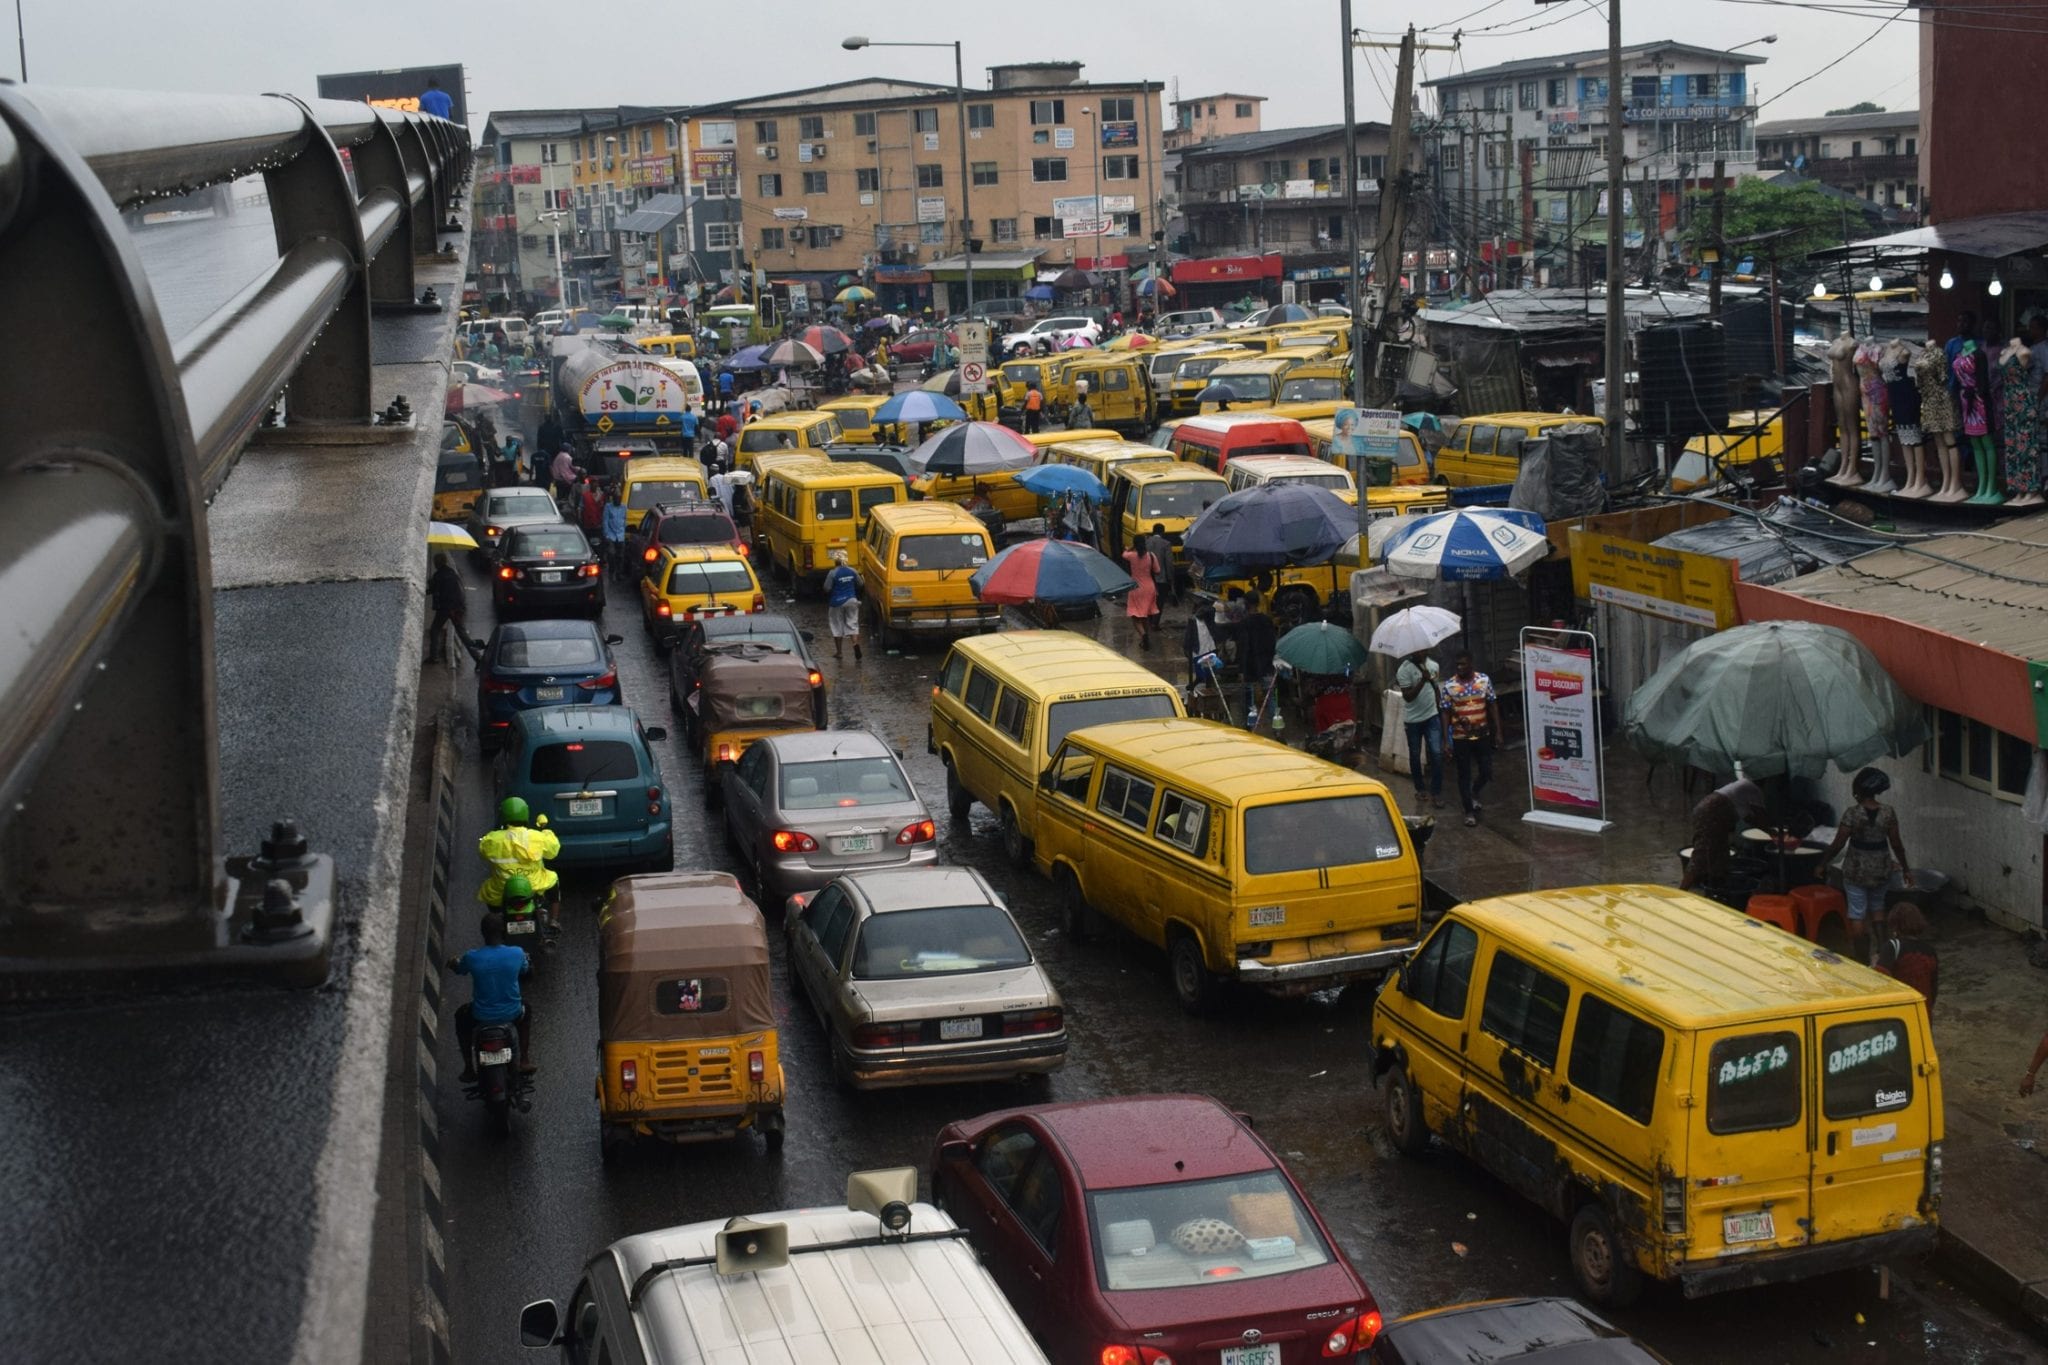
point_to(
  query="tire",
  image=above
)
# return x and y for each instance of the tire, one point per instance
(1077, 917)
(664, 861)
(1403, 1104)
(611, 1144)
(501, 1119)
(772, 1133)
(1606, 1275)
(1194, 985)
(1016, 847)
(959, 800)
(842, 1065)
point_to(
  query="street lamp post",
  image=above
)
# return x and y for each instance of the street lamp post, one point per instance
(1095, 155)
(855, 44)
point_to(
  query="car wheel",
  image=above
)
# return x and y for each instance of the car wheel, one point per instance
(1403, 1104)
(1193, 983)
(664, 861)
(1016, 847)
(771, 1132)
(1606, 1274)
(1077, 917)
(959, 800)
(842, 1064)
(714, 798)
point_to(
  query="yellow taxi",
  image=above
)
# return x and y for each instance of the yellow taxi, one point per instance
(664, 478)
(1119, 390)
(689, 582)
(1169, 495)
(1191, 376)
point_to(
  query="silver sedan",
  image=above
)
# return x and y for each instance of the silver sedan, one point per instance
(803, 808)
(500, 509)
(922, 977)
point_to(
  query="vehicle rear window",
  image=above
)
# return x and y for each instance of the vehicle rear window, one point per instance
(644, 495)
(717, 578)
(529, 652)
(843, 782)
(1065, 717)
(833, 504)
(853, 419)
(553, 542)
(1202, 1232)
(1329, 831)
(1333, 481)
(1020, 373)
(691, 995)
(1163, 500)
(942, 941)
(1312, 391)
(868, 499)
(585, 761)
(520, 505)
(1249, 388)
(708, 528)
(1869, 1068)
(1753, 1083)
(1616, 1057)
(958, 551)
(1197, 369)
(1273, 448)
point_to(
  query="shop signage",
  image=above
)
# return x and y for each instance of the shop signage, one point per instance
(1369, 439)
(1074, 207)
(1226, 268)
(1063, 137)
(792, 215)
(1676, 585)
(714, 165)
(931, 208)
(1298, 189)
(1659, 113)
(1120, 133)
(1119, 203)
(1558, 681)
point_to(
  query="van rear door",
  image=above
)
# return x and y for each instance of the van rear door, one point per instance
(1876, 1103)
(1749, 1160)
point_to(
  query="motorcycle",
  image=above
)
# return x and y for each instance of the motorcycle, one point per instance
(494, 1061)
(526, 927)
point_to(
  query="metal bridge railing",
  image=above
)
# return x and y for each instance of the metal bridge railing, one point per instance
(107, 681)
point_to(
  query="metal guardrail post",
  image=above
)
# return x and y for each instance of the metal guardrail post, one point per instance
(311, 200)
(381, 166)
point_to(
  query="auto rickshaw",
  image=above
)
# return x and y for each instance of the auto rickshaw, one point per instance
(745, 695)
(686, 1043)
(458, 475)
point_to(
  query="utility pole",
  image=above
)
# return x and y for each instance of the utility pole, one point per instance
(1469, 247)
(1355, 292)
(1617, 333)
(1720, 248)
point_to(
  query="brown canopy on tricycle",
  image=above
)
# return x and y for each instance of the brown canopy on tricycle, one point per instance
(752, 691)
(682, 955)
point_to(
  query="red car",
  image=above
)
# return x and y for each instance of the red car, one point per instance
(1151, 1230)
(916, 347)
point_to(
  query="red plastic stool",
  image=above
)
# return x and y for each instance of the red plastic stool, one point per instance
(1815, 903)
(1782, 911)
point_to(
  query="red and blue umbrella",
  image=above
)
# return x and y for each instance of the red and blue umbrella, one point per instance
(826, 340)
(1055, 572)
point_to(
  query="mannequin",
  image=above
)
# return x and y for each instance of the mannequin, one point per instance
(1903, 397)
(1876, 415)
(1938, 419)
(1967, 373)
(2020, 422)
(1848, 409)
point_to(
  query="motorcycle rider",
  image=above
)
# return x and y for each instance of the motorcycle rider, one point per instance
(495, 970)
(521, 846)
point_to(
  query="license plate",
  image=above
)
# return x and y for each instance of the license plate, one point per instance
(547, 694)
(593, 806)
(519, 926)
(955, 1030)
(1264, 915)
(551, 576)
(857, 843)
(497, 1056)
(1748, 1227)
(1265, 1353)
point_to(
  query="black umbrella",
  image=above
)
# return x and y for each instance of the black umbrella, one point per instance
(1271, 524)
(1071, 278)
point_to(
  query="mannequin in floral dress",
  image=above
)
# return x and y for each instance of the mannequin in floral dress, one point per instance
(1848, 409)
(1967, 374)
(2020, 414)
(1903, 397)
(1876, 416)
(1938, 419)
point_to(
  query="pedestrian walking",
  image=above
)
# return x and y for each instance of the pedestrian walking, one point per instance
(1870, 831)
(436, 101)
(721, 488)
(1474, 714)
(1198, 644)
(451, 605)
(842, 606)
(1257, 639)
(1161, 549)
(564, 473)
(1081, 415)
(614, 532)
(1907, 953)
(727, 426)
(1422, 720)
(590, 505)
(1142, 603)
(1715, 819)
(687, 424)
(1034, 402)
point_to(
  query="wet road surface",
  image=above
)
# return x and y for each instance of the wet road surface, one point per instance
(524, 1213)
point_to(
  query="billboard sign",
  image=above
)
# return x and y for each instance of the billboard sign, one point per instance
(398, 88)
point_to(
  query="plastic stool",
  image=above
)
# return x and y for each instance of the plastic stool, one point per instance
(1782, 911)
(1815, 903)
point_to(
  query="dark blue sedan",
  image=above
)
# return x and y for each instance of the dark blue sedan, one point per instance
(542, 663)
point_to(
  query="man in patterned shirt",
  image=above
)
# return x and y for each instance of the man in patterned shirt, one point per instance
(1474, 715)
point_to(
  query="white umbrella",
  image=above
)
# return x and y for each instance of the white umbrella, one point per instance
(1415, 629)
(1468, 546)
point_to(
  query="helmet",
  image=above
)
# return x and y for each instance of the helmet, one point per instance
(512, 810)
(518, 890)
(1869, 783)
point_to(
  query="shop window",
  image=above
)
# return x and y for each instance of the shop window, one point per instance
(1977, 755)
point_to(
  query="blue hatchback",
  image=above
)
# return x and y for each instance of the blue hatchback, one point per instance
(591, 771)
(542, 663)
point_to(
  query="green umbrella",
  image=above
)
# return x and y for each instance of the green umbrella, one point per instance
(1320, 647)
(1776, 697)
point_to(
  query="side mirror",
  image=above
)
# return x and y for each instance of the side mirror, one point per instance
(956, 1150)
(615, 639)
(1047, 779)
(540, 1324)
(656, 733)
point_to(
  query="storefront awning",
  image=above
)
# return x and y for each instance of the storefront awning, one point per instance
(1992, 236)
(1016, 268)
(1227, 269)
(656, 215)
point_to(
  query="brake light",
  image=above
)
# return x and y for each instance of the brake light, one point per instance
(629, 1075)
(725, 754)
(494, 531)
(808, 561)
(760, 603)
(648, 554)
(744, 548)
(588, 571)
(1135, 1355)
(492, 685)
(508, 572)
(574, 748)
(662, 609)
(916, 832)
(1352, 1336)
(814, 675)
(654, 793)
(886, 1035)
(757, 1066)
(792, 840)
(1024, 1023)
(547, 554)
(599, 684)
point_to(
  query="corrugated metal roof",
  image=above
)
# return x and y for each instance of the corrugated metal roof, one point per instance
(1839, 123)
(1993, 236)
(1238, 144)
(1564, 61)
(655, 215)
(1990, 588)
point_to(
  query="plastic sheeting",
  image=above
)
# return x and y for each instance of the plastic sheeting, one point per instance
(1788, 540)
(1559, 475)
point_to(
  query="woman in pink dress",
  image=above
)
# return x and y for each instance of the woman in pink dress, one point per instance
(1143, 602)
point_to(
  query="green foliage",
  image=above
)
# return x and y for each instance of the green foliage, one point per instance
(1866, 107)
(1757, 206)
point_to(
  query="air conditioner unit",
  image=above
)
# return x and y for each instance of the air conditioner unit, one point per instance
(817, 151)
(768, 152)
(837, 233)
(871, 144)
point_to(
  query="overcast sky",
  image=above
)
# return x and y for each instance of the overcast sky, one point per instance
(547, 53)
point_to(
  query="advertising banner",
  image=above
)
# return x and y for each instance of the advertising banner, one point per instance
(931, 208)
(398, 88)
(1369, 439)
(1677, 585)
(722, 164)
(1562, 724)
(1120, 133)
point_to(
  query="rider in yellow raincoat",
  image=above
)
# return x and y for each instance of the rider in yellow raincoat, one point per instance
(518, 848)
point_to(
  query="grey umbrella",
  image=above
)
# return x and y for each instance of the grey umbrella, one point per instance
(1776, 697)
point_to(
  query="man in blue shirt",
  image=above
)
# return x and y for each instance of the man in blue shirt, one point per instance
(688, 425)
(495, 971)
(842, 606)
(435, 100)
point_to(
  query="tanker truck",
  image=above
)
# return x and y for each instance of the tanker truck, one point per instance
(610, 396)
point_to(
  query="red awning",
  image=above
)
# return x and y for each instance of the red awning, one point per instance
(1119, 262)
(1226, 269)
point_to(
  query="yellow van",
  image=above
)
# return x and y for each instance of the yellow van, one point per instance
(1144, 494)
(664, 478)
(1751, 439)
(1699, 1096)
(1191, 376)
(785, 431)
(1162, 360)
(1488, 449)
(1004, 702)
(1119, 390)
(1100, 455)
(809, 506)
(855, 414)
(1316, 381)
(680, 346)
(1411, 464)
(1247, 471)
(1244, 859)
(1254, 379)
(1015, 377)
(914, 562)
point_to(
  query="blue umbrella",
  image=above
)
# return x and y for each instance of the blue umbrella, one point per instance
(1051, 571)
(1268, 525)
(920, 405)
(748, 358)
(1040, 293)
(1467, 546)
(1051, 480)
